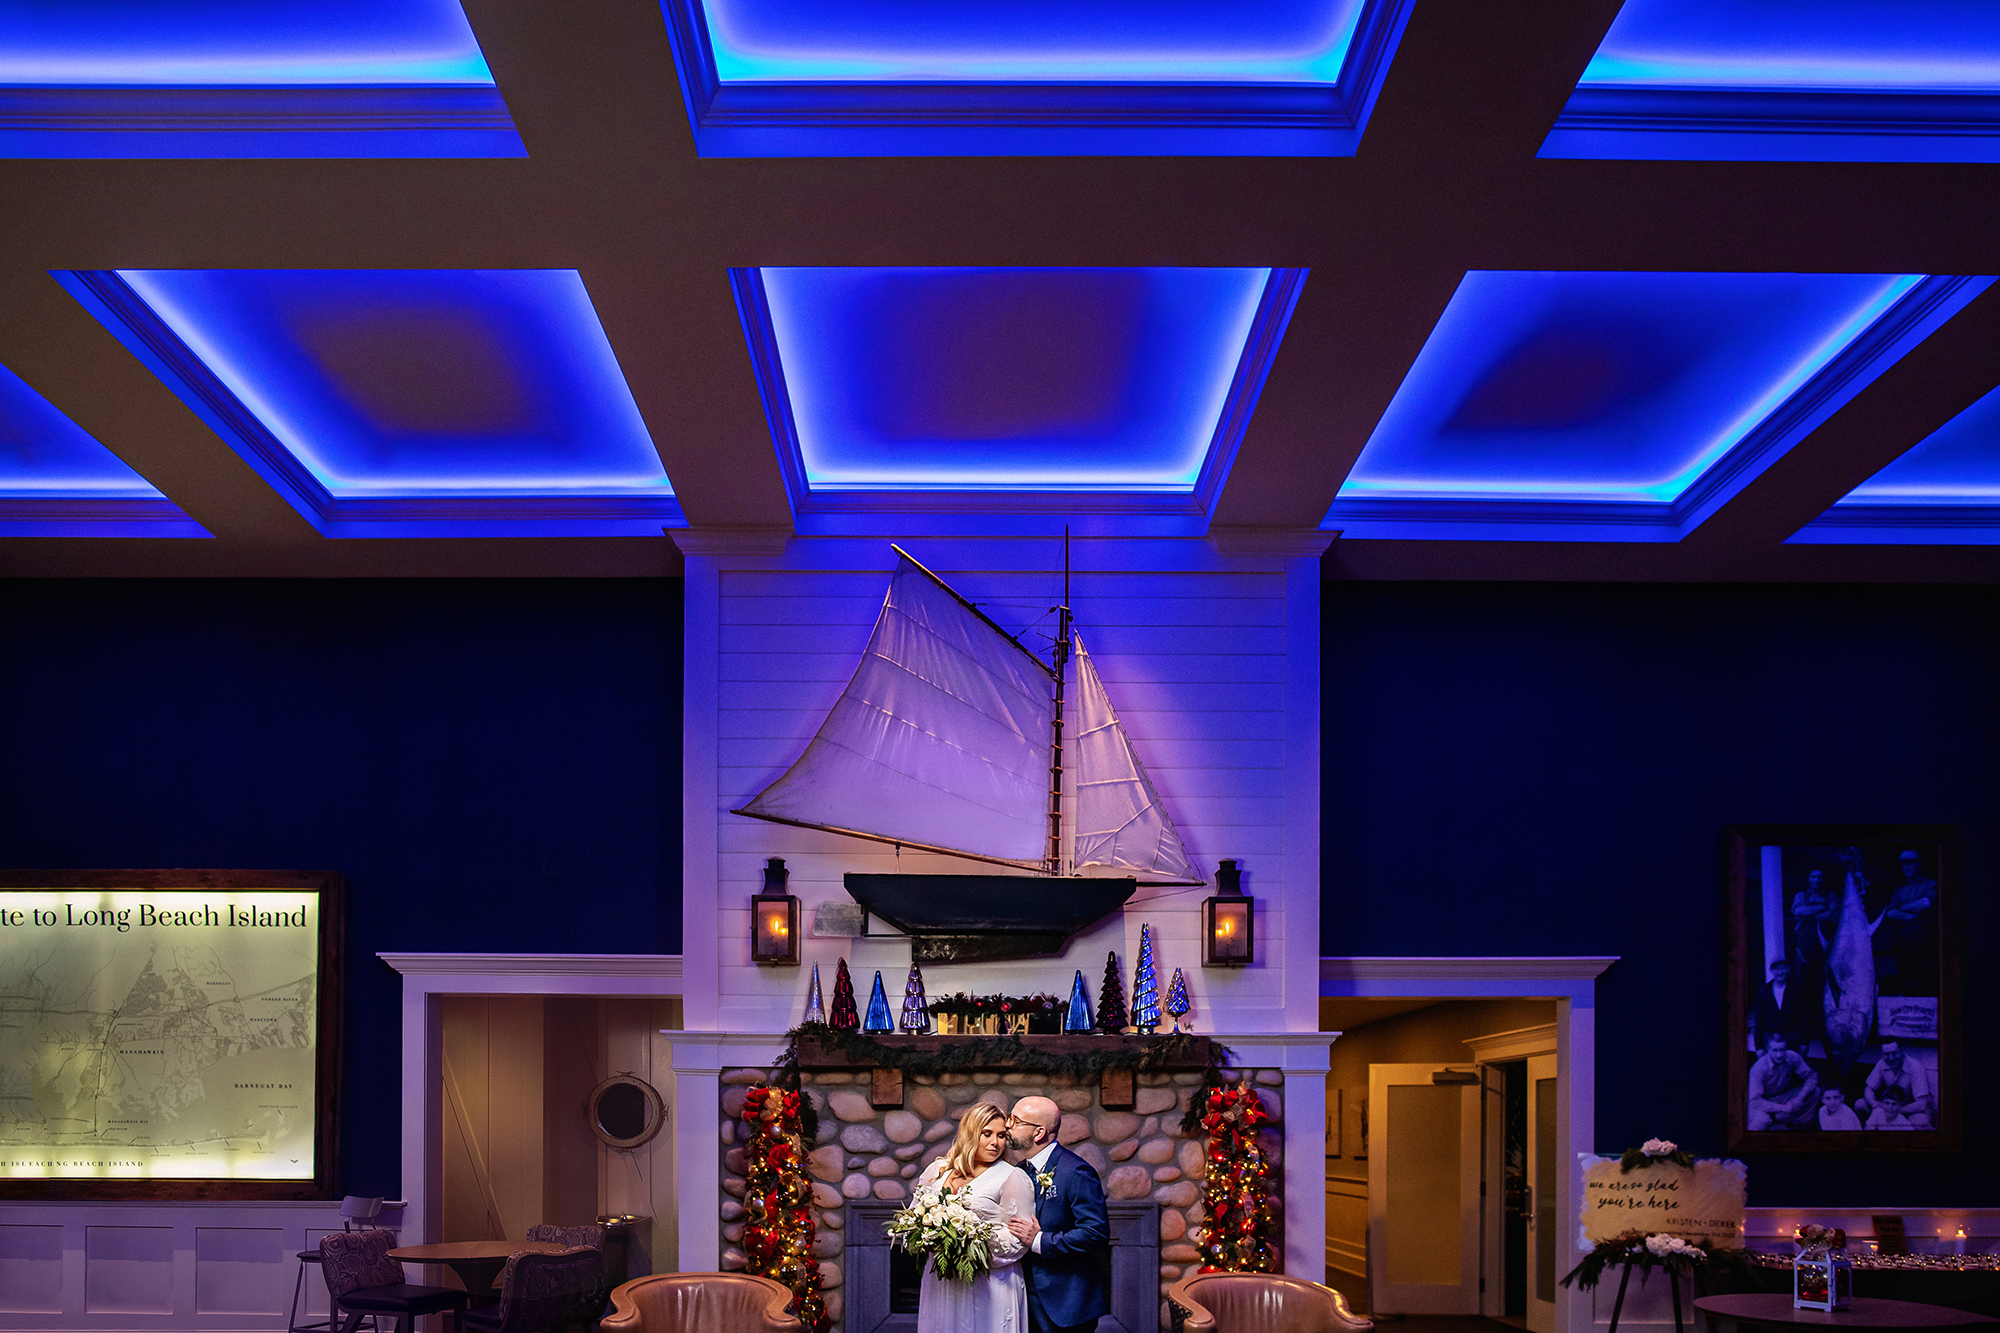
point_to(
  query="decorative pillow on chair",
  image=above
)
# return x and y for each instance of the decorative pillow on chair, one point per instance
(353, 1260)
(588, 1234)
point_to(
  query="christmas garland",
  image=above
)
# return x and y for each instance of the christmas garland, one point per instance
(778, 1238)
(1646, 1253)
(1237, 1232)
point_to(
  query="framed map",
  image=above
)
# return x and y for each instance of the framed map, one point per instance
(169, 1034)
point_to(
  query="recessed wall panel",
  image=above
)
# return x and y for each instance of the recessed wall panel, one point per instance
(31, 1270)
(128, 1270)
(241, 1270)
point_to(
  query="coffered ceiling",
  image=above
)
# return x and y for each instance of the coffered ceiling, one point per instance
(1474, 357)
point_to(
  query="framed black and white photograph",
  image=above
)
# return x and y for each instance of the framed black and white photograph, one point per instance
(1842, 978)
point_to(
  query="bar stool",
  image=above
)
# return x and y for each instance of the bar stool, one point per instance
(356, 1214)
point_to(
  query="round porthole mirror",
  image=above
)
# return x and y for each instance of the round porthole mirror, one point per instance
(625, 1111)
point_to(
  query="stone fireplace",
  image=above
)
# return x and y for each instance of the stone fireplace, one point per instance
(868, 1152)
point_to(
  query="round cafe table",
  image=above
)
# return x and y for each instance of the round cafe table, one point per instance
(477, 1262)
(1767, 1308)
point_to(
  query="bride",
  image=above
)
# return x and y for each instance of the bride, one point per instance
(997, 1301)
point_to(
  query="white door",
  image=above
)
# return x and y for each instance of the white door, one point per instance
(1423, 1192)
(1544, 1180)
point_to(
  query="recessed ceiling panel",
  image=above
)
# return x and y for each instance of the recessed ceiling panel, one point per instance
(1027, 386)
(1944, 491)
(246, 78)
(1774, 80)
(888, 77)
(1622, 406)
(56, 480)
(404, 402)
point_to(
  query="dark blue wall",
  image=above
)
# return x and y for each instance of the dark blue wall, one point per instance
(1509, 769)
(494, 766)
(1546, 769)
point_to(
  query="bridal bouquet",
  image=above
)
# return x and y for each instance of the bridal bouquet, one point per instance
(941, 1224)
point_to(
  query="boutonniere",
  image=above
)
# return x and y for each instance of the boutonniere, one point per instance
(1045, 1185)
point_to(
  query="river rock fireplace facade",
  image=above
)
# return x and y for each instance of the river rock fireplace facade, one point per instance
(868, 1154)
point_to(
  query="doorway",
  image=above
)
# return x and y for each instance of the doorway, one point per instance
(1416, 1099)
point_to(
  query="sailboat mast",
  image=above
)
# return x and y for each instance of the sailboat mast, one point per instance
(1052, 861)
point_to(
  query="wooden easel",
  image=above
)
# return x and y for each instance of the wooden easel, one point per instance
(1673, 1285)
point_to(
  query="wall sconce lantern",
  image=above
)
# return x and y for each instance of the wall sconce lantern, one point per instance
(1228, 921)
(774, 924)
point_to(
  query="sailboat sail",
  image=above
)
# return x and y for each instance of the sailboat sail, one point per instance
(1119, 819)
(941, 739)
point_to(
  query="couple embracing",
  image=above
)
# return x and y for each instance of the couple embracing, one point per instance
(1051, 1241)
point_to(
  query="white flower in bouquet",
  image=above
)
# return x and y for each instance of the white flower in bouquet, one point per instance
(1667, 1247)
(938, 1223)
(1657, 1147)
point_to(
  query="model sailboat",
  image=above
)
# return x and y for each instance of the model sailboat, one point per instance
(949, 739)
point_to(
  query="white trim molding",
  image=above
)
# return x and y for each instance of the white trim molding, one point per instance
(1516, 1045)
(665, 966)
(1572, 983)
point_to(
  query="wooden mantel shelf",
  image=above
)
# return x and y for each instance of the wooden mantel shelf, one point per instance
(1115, 1088)
(1195, 1056)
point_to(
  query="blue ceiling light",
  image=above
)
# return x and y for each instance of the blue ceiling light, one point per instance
(1012, 389)
(1622, 406)
(1774, 80)
(404, 402)
(246, 78)
(57, 481)
(1946, 491)
(782, 78)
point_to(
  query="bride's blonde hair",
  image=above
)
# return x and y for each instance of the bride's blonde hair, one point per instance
(962, 1160)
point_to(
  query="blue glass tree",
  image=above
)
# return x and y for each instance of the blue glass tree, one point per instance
(878, 1019)
(1145, 986)
(916, 1015)
(1078, 1018)
(815, 1006)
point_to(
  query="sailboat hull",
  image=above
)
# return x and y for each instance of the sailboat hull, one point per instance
(975, 918)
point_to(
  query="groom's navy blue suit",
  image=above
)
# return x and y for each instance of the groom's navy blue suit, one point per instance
(1068, 1280)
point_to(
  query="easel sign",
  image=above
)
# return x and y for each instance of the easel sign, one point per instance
(1696, 1203)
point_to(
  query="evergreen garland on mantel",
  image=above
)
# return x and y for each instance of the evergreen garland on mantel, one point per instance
(958, 1055)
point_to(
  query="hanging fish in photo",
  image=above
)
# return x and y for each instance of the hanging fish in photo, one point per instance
(1849, 999)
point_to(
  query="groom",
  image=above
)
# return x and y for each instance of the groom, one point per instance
(1068, 1238)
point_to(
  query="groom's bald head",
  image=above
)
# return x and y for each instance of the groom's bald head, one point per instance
(1033, 1123)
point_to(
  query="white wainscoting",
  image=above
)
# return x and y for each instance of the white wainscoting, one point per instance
(148, 1266)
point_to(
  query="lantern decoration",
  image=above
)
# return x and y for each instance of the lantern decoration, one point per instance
(878, 1019)
(1177, 999)
(843, 1018)
(916, 1018)
(1822, 1274)
(1228, 921)
(1078, 1018)
(774, 920)
(1238, 1232)
(815, 1007)
(1145, 986)
(1111, 1016)
(778, 1229)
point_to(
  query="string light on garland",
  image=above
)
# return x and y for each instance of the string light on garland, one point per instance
(1238, 1230)
(778, 1232)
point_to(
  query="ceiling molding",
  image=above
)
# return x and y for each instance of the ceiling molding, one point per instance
(666, 966)
(1586, 968)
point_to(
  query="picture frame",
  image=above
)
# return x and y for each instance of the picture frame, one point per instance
(224, 992)
(1840, 942)
(1333, 1123)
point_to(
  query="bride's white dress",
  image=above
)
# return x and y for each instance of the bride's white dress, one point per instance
(998, 1301)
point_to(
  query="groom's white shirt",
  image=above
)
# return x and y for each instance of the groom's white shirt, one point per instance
(1036, 1165)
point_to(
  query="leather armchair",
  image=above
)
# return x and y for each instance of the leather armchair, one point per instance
(700, 1303)
(1264, 1302)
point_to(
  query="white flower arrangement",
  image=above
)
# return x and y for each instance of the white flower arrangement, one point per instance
(1658, 1147)
(941, 1224)
(1667, 1247)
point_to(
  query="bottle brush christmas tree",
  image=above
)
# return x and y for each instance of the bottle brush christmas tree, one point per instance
(844, 1017)
(1145, 986)
(1111, 1015)
(916, 1018)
